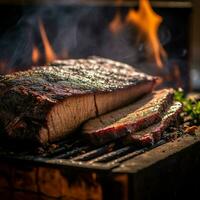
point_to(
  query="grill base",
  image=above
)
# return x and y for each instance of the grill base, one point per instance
(169, 169)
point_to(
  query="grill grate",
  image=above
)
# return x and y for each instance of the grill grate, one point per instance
(76, 153)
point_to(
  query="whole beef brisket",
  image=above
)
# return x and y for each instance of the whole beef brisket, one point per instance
(129, 119)
(45, 104)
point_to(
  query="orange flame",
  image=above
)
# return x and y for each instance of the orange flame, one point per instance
(116, 24)
(64, 53)
(49, 52)
(35, 55)
(2, 66)
(148, 22)
(5, 68)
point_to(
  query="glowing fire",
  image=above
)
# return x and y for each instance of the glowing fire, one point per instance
(49, 52)
(2, 66)
(50, 55)
(5, 68)
(35, 55)
(116, 24)
(64, 53)
(148, 23)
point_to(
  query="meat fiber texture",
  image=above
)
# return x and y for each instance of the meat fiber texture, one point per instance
(130, 119)
(44, 104)
(152, 134)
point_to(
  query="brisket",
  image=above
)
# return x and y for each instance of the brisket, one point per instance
(129, 119)
(153, 133)
(45, 104)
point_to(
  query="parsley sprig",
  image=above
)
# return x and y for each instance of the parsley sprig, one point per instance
(190, 106)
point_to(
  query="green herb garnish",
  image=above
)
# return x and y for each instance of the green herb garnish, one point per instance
(190, 106)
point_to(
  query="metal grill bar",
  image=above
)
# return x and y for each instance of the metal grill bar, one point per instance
(137, 152)
(92, 154)
(111, 155)
(72, 153)
(77, 153)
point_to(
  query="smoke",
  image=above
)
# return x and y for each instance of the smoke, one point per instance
(73, 31)
(61, 24)
(81, 31)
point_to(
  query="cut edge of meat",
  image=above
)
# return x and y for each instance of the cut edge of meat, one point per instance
(95, 105)
(107, 102)
(112, 133)
(63, 118)
(117, 130)
(153, 134)
(37, 101)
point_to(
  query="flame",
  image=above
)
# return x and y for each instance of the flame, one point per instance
(148, 23)
(5, 68)
(50, 55)
(64, 53)
(116, 24)
(2, 66)
(35, 55)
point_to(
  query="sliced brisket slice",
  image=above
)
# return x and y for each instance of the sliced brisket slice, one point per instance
(45, 104)
(153, 133)
(132, 118)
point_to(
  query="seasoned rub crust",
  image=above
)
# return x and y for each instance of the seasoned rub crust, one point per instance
(28, 96)
(74, 76)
